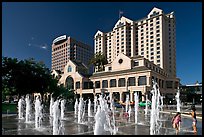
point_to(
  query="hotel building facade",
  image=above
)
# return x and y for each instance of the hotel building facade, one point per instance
(137, 52)
(153, 37)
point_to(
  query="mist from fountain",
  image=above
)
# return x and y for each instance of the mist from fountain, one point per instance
(104, 119)
(129, 110)
(89, 109)
(154, 124)
(162, 103)
(81, 110)
(21, 108)
(99, 122)
(178, 101)
(112, 108)
(136, 107)
(76, 107)
(62, 104)
(146, 106)
(126, 103)
(28, 109)
(56, 118)
(95, 103)
(38, 113)
(51, 105)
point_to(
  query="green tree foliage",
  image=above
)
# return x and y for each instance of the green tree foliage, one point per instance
(99, 60)
(27, 77)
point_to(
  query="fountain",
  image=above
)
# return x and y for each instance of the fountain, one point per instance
(20, 108)
(62, 102)
(146, 106)
(95, 103)
(126, 103)
(38, 113)
(28, 109)
(51, 104)
(106, 121)
(98, 128)
(89, 109)
(129, 110)
(81, 109)
(136, 107)
(178, 101)
(154, 125)
(56, 118)
(76, 107)
(162, 103)
(103, 120)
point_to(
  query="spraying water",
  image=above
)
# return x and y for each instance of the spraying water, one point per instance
(95, 103)
(162, 103)
(154, 125)
(146, 106)
(129, 110)
(56, 118)
(89, 109)
(28, 109)
(98, 128)
(76, 107)
(20, 108)
(103, 119)
(81, 110)
(63, 102)
(126, 103)
(178, 101)
(51, 105)
(136, 107)
(38, 112)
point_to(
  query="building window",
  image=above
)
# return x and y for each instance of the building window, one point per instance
(69, 69)
(104, 84)
(109, 68)
(136, 63)
(121, 82)
(97, 84)
(78, 85)
(169, 84)
(142, 80)
(131, 81)
(113, 83)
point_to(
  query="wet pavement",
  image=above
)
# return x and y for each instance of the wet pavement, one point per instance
(11, 125)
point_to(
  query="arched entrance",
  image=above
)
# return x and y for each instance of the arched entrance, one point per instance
(69, 83)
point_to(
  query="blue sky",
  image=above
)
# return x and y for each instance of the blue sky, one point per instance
(28, 28)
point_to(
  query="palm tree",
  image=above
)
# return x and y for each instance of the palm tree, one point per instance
(99, 60)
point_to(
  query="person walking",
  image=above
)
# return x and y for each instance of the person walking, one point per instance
(176, 122)
(193, 114)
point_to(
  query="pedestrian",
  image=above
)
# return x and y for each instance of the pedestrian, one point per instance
(176, 122)
(193, 114)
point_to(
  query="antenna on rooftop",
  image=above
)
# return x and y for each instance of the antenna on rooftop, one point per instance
(120, 13)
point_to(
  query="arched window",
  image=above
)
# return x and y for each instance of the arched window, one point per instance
(69, 82)
(69, 69)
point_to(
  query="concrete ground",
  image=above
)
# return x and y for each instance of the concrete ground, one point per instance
(11, 125)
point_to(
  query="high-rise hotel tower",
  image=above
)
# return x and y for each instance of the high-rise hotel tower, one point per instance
(66, 48)
(153, 37)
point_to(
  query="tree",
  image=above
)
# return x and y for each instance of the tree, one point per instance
(99, 60)
(26, 77)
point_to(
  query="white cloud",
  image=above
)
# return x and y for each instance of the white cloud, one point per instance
(42, 46)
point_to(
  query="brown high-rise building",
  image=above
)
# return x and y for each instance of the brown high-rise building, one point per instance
(66, 48)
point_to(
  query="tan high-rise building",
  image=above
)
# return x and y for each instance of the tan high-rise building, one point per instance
(66, 48)
(153, 37)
